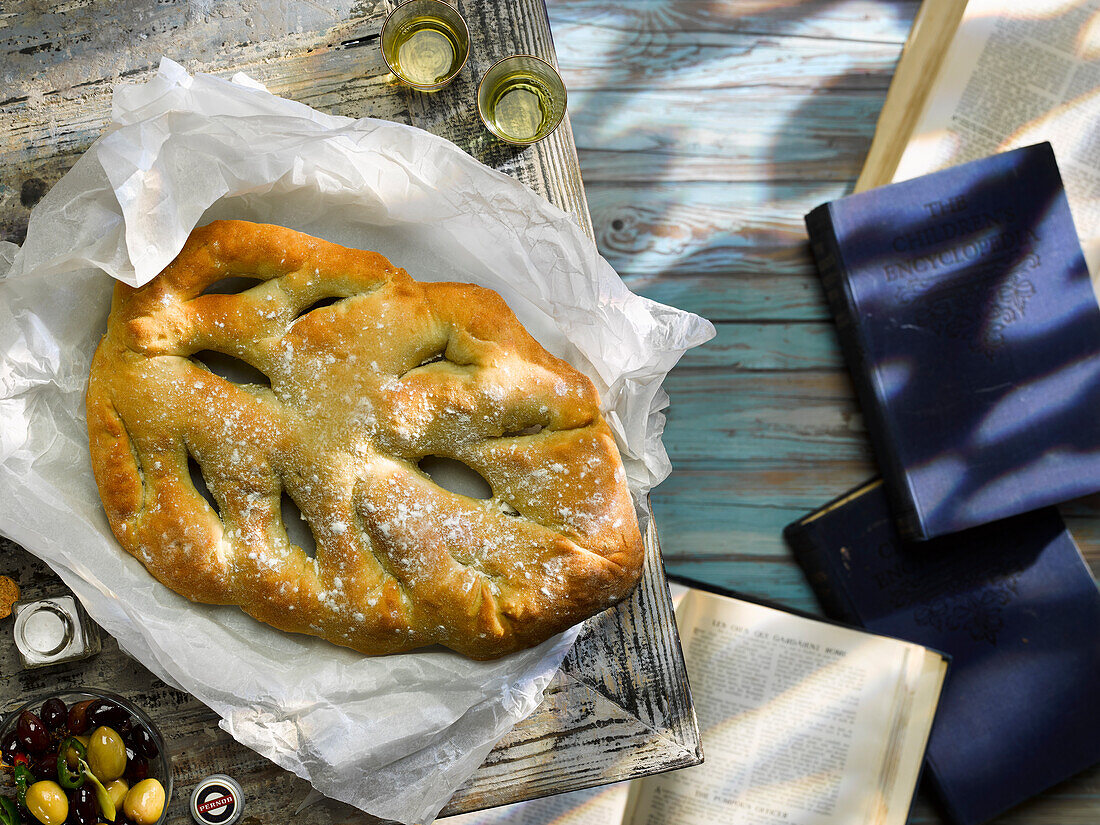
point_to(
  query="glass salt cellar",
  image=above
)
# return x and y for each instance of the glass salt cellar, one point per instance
(53, 630)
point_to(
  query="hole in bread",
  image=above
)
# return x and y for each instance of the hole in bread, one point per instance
(198, 480)
(319, 304)
(439, 357)
(455, 477)
(534, 429)
(298, 531)
(232, 286)
(231, 369)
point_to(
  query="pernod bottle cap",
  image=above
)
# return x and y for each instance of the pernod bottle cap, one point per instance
(217, 800)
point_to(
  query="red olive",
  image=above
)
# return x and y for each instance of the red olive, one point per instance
(78, 717)
(32, 734)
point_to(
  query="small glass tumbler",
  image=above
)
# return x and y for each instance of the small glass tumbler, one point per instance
(521, 99)
(425, 43)
(52, 631)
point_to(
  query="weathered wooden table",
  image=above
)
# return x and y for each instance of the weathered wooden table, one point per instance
(705, 129)
(619, 707)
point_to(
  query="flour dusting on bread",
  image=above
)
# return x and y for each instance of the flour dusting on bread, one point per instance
(368, 372)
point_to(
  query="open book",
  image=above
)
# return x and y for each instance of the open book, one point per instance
(804, 722)
(984, 76)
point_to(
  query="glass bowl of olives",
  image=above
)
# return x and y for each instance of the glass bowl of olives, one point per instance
(82, 757)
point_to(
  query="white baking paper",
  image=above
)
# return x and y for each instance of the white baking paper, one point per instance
(397, 735)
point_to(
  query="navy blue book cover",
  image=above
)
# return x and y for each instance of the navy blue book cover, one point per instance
(971, 329)
(1016, 608)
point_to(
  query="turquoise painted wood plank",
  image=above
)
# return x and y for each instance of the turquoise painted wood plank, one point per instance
(600, 57)
(735, 515)
(719, 416)
(855, 20)
(726, 526)
(790, 294)
(740, 534)
(779, 582)
(728, 251)
(742, 228)
(700, 158)
(763, 346)
(768, 485)
(663, 136)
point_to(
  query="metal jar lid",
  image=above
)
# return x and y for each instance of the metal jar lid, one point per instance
(217, 800)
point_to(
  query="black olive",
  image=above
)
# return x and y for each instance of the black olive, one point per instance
(32, 734)
(44, 766)
(78, 717)
(142, 742)
(136, 770)
(83, 809)
(8, 746)
(54, 713)
(105, 712)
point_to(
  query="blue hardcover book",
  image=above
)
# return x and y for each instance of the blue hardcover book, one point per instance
(971, 329)
(1016, 608)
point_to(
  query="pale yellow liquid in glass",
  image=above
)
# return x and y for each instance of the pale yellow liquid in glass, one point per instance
(520, 108)
(426, 52)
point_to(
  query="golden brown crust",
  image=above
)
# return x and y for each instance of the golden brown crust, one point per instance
(360, 391)
(9, 595)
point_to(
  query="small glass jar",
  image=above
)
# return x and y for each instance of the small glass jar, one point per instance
(53, 630)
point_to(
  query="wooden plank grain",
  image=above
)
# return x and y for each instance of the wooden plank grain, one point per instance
(643, 718)
(701, 159)
(760, 346)
(607, 717)
(750, 227)
(706, 129)
(549, 167)
(673, 135)
(720, 416)
(852, 21)
(606, 57)
(61, 62)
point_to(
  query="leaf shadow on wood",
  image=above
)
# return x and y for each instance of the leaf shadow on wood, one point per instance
(665, 242)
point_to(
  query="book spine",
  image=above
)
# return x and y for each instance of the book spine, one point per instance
(834, 279)
(827, 585)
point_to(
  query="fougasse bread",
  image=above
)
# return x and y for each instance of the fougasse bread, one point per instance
(370, 372)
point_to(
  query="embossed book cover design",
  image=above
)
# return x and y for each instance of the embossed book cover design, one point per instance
(1016, 608)
(971, 329)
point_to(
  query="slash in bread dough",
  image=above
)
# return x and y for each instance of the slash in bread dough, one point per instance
(362, 388)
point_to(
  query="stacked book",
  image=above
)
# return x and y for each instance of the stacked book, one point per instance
(971, 329)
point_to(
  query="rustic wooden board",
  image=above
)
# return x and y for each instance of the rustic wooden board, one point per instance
(620, 705)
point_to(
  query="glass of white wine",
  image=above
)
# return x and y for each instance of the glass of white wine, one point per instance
(521, 99)
(425, 43)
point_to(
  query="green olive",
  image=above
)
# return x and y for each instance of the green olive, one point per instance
(47, 802)
(144, 802)
(117, 791)
(106, 754)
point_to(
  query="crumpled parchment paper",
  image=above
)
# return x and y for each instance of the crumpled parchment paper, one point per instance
(396, 735)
